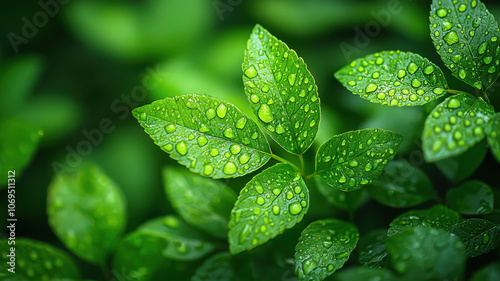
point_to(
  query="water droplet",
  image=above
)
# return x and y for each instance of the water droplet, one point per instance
(486, 239)
(416, 83)
(265, 113)
(202, 140)
(208, 169)
(376, 75)
(438, 91)
(453, 103)
(235, 149)
(214, 152)
(210, 114)
(368, 167)
(265, 88)
(487, 60)
(437, 145)
(221, 110)
(295, 208)
(308, 266)
(260, 201)
(276, 210)
(412, 68)
(478, 131)
(143, 116)
(429, 69)
(330, 267)
(244, 158)
(168, 147)
(381, 96)
(342, 179)
(229, 168)
(291, 79)
(441, 12)
(462, 73)
(371, 87)
(451, 38)
(413, 97)
(181, 148)
(492, 69)
(401, 73)
(353, 163)
(240, 124)
(279, 129)
(251, 72)
(482, 48)
(228, 133)
(462, 8)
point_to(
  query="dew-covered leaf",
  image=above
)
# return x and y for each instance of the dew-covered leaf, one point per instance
(216, 268)
(401, 185)
(490, 272)
(202, 202)
(92, 199)
(425, 253)
(209, 136)
(18, 142)
(471, 198)
(273, 201)
(281, 91)
(454, 126)
(353, 159)
(371, 248)
(324, 246)
(479, 236)
(161, 242)
(438, 217)
(465, 35)
(394, 78)
(347, 201)
(35, 260)
(493, 133)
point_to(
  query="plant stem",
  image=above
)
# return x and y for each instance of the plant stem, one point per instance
(286, 162)
(456, 92)
(486, 97)
(311, 175)
(301, 162)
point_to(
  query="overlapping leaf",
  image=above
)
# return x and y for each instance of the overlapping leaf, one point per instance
(479, 236)
(348, 201)
(471, 198)
(394, 78)
(216, 268)
(324, 246)
(271, 202)
(363, 274)
(466, 35)
(209, 136)
(491, 272)
(454, 126)
(353, 159)
(371, 248)
(493, 132)
(438, 217)
(460, 167)
(281, 90)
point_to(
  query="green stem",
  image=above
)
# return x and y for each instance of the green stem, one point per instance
(286, 162)
(486, 97)
(301, 162)
(311, 175)
(456, 92)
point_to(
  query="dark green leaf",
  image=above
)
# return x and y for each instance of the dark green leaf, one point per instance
(402, 185)
(350, 160)
(93, 200)
(490, 272)
(324, 246)
(493, 132)
(347, 201)
(471, 198)
(201, 202)
(281, 90)
(394, 78)
(372, 251)
(460, 167)
(438, 217)
(215, 268)
(35, 260)
(209, 136)
(454, 126)
(466, 37)
(425, 253)
(271, 202)
(479, 236)
(364, 274)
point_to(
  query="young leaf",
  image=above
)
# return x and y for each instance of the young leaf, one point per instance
(401, 185)
(490, 272)
(394, 78)
(350, 160)
(454, 126)
(158, 243)
(201, 202)
(216, 268)
(438, 217)
(35, 260)
(271, 202)
(93, 200)
(209, 136)
(425, 253)
(281, 90)
(371, 248)
(465, 35)
(493, 132)
(324, 246)
(479, 236)
(471, 198)
(347, 201)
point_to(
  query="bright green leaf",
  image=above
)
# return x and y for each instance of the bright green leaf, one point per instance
(466, 37)
(209, 136)
(18, 142)
(281, 90)
(371, 248)
(93, 200)
(201, 202)
(493, 132)
(215, 268)
(273, 201)
(490, 272)
(454, 126)
(324, 246)
(471, 198)
(347, 201)
(402, 185)
(425, 253)
(35, 260)
(350, 160)
(438, 217)
(364, 274)
(394, 78)
(460, 167)
(479, 236)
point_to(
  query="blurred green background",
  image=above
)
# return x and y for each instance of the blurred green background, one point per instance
(67, 66)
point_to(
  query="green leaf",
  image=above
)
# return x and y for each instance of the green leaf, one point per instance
(438, 217)
(273, 201)
(471, 198)
(493, 132)
(490, 272)
(350, 160)
(324, 246)
(394, 78)
(454, 126)
(479, 236)
(424, 253)
(347, 201)
(216, 268)
(160, 242)
(209, 136)
(402, 185)
(281, 91)
(465, 35)
(460, 167)
(201, 202)
(93, 200)
(18, 142)
(371, 248)
(363, 274)
(35, 260)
